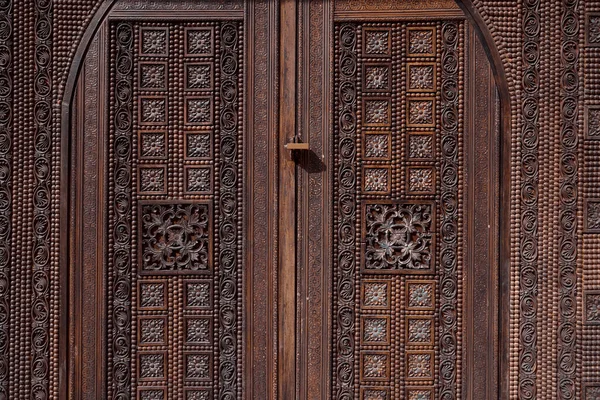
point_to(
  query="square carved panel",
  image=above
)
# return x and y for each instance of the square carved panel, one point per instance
(153, 75)
(422, 77)
(419, 393)
(197, 394)
(152, 294)
(175, 237)
(591, 391)
(592, 122)
(153, 110)
(421, 146)
(420, 295)
(421, 180)
(197, 294)
(591, 215)
(377, 42)
(375, 366)
(421, 41)
(152, 145)
(375, 329)
(152, 330)
(419, 365)
(198, 145)
(198, 330)
(198, 180)
(374, 393)
(421, 112)
(398, 237)
(377, 111)
(198, 76)
(154, 41)
(199, 110)
(377, 145)
(419, 330)
(152, 366)
(197, 366)
(377, 77)
(375, 294)
(591, 310)
(152, 393)
(593, 29)
(199, 41)
(152, 179)
(377, 180)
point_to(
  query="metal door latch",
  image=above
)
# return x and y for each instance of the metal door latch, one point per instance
(295, 144)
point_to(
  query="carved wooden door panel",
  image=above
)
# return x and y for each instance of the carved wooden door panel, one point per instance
(210, 261)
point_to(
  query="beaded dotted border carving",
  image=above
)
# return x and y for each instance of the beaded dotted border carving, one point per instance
(395, 189)
(175, 203)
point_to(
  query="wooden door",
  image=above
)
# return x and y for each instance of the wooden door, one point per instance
(211, 259)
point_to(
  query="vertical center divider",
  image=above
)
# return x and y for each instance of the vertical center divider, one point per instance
(287, 202)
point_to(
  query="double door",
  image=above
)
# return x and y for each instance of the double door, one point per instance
(284, 200)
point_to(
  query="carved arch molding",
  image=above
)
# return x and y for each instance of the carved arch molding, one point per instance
(158, 275)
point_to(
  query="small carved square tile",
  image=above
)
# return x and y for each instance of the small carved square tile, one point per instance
(152, 393)
(152, 179)
(199, 41)
(592, 307)
(591, 215)
(197, 294)
(421, 180)
(419, 393)
(420, 295)
(152, 366)
(198, 111)
(375, 294)
(198, 145)
(198, 76)
(153, 76)
(421, 41)
(419, 330)
(153, 295)
(419, 365)
(377, 42)
(591, 392)
(154, 41)
(198, 330)
(377, 146)
(377, 112)
(421, 112)
(593, 30)
(376, 180)
(197, 394)
(152, 330)
(420, 146)
(153, 110)
(198, 180)
(375, 393)
(198, 366)
(153, 145)
(375, 329)
(377, 77)
(421, 77)
(592, 122)
(375, 366)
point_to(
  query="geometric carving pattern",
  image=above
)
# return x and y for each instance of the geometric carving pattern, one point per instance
(369, 393)
(592, 122)
(419, 393)
(197, 394)
(398, 236)
(421, 41)
(175, 237)
(152, 394)
(421, 295)
(153, 110)
(154, 41)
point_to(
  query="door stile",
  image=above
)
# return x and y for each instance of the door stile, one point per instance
(287, 202)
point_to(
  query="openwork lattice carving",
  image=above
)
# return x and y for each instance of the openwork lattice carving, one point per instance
(175, 237)
(399, 236)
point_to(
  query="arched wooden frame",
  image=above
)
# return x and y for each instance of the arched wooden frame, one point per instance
(503, 276)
